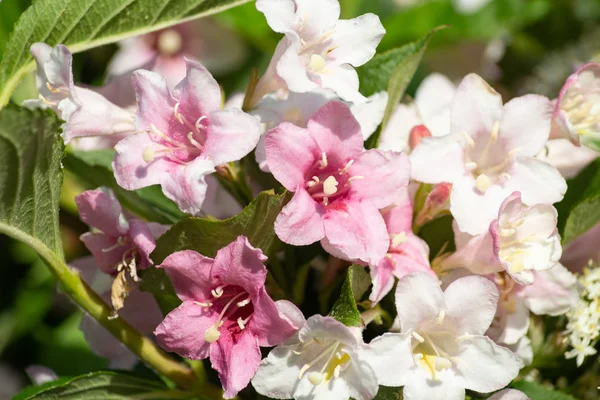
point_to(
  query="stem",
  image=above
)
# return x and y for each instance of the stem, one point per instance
(87, 299)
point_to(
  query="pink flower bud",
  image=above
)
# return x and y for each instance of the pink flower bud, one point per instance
(416, 134)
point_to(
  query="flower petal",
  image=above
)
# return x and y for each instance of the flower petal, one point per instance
(418, 298)
(142, 238)
(269, 326)
(343, 80)
(301, 221)
(199, 93)
(438, 159)
(433, 99)
(471, 304)
(553, 292)
(324, 328)
(101, 209)
(370, 113)
(421, 387)
(154, 100)
(390, 356)
(280, 15)
(232, 135)
(383, 279)
(189, 272)
(396, 133)
(538, 182)
(276, 376)
(355, 40)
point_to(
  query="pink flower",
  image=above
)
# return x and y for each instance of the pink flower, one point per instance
(226, 312)
(489, 154)
(407, 253)
(338, 187)
(183, 136)
(577, 109)
(217, 48)
(582, 250)
(117, 241)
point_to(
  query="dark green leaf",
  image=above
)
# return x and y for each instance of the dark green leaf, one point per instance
(95, 169)
(84, 24)
(207, 236)
(105, 385)
(356, 283)
(439, 235)
(156, 281)
(580, 209)
(389, 393)
(538, 392)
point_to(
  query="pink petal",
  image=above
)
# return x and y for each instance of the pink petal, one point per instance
(356, 229)
(186, 184)
(301, 221)
(235, 361)
(291, 152)
(383, 279)
(525, 124)
(142, 238)
(471, 304)
(268, 325)
(385, 176)
(399, 218)
(101, 209)
(232, 135)
(189, 272)
(418, 298)
(97, 243)
(199, 93)
(241, 264)
(154, 100)
(336, 132)
(182, 331)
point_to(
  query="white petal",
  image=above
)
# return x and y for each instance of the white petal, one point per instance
(421, 387)
(276, 376)
(370, 113)
(471, 303)
(418, 299)
(396, 133)
(391, 358)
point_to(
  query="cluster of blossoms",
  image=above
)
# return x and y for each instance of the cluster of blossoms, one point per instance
(462, 316)
(583, 327)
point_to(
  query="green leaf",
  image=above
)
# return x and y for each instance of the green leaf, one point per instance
(391, 71)
(207, 236)
(538, 392)
(95, 169)
(84, 24)
(389, 393)
(580, 209)
(355, 285)
(106, 385)
(157, 282)
(439, 235)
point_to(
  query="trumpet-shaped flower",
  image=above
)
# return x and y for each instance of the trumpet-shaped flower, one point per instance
(490, 154)
(407, 253)
(577, 109)
(429, 115)
(442, 350)
(226, 312)
(319, 50)
(325, 360)
(85, 112)
(183, 136)
(338, 187)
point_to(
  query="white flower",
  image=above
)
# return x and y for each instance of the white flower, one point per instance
(582, 347)
(430, 109)
(325, 360)
(319, 49)
(441, 350)
(568, 158)
(509, 394)
(490, 154)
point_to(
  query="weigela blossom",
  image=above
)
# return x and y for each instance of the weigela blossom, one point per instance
(298, 108)
(577, 109)
(428, 115)
(407, 253)
(183, 136)
(338, 187)
(85, 112)
(324, 360)
(217, 48)
(226, 312)
(442, 350)
(488, 156)
(567, 158)
(318, 50)
(520, 241)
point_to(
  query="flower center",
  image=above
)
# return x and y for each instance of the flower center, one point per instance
(487, 161)
(329, 183)
(236, 310)
(583, 108)
(332, 358)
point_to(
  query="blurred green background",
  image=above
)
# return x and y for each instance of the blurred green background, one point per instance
(519, 45)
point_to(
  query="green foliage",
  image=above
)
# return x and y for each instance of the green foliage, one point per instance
(389, 393)
(31, 178)
(391, 71)
(97, 385)
(580, 209)
(95, 169)
(157, 282)
(535, 391)
(439, 235)
(84, 24)
(355, 285)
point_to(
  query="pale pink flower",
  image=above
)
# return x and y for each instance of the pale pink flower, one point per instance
(338, 187)
(324, 360)
(577, 108)
(430, 112)
(219, 49)
(86, 113)
(407, 253)
(585, 248)
(226, 312)
(566, 157)
(441, 349)
(117, 241)
(509, 394)
(318, 50)
(184, 135)
(490, 154)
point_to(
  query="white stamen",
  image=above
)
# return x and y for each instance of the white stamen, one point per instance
(483, 182)
(315, 181)
(315, 378)
(203, 304)
(330, 185)
(244, 302)
(193, 141)
(240, 323)
(442, 363)
(347, 167)
(418, 337)
(176, 113)
(198, 123)
(495, 131)
(470, 166)
(323, 161)
(440, 317)
(469, 139)
(217, 292)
